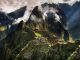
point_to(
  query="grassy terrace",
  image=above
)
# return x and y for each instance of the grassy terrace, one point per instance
(28, 43)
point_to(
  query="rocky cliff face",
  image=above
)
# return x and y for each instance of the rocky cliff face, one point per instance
(32, 42)
(28, 44)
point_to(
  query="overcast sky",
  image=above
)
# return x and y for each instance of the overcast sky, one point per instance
(10, 5)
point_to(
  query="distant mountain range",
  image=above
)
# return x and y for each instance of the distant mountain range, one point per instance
(73, 18)
(71, 11)
(7, 20)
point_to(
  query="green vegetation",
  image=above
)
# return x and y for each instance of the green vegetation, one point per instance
(35, 44)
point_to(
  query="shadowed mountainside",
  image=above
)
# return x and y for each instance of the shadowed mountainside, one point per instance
(29, 41)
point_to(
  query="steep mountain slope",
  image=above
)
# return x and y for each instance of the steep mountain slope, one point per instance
(31, 41)
(73, 18)
(28, 44)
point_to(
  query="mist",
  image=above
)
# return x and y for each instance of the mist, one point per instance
(71, 9)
